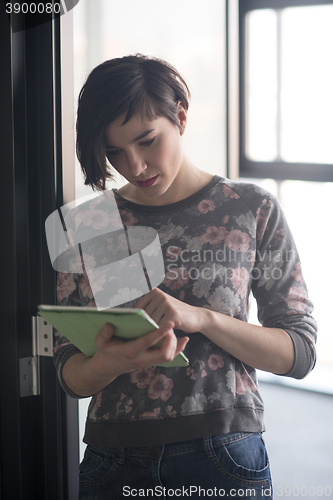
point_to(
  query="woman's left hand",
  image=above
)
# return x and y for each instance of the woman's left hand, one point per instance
(161, 307)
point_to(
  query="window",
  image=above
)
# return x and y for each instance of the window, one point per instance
(286, 77)
(286, 130)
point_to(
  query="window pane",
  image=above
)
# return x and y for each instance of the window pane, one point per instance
(307, 205)
(307, 83)
(261, 85)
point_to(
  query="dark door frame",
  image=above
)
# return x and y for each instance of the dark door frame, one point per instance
(38, 434)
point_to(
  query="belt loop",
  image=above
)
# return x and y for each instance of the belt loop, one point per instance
(208, 446)
(122, 456)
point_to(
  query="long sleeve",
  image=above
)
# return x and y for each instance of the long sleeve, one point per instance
(72, 290)
(279, 287)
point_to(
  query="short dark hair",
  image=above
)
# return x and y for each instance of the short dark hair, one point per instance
(135, 84)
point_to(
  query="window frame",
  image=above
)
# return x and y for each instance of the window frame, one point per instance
(277, 169)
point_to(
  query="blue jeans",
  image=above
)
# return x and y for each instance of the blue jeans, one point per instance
(231, 465)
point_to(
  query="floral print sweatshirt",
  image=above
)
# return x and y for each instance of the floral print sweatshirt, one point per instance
(220, 244)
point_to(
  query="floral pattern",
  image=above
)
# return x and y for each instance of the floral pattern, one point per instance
(297, 274)
(240, 280)
(65, 286)
(215, 361)
(214, 235)
(205, 206)
(142, 378)
(217, 247)
(160, 387)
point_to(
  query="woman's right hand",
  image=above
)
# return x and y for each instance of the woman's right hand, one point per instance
(88, 376)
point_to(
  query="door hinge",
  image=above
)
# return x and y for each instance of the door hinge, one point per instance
(42, 345)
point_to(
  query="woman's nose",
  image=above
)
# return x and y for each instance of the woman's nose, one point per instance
(136, 164)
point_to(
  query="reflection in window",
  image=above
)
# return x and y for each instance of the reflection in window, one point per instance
(289, 84)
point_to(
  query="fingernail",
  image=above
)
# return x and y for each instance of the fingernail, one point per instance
(107, 328)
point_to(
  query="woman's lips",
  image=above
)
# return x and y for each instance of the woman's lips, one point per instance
(148, 182)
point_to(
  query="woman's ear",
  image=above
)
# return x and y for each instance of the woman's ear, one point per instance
(182, 116)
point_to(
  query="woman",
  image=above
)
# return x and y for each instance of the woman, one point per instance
(195, 431)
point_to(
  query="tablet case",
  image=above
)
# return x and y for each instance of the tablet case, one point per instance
(80, 325)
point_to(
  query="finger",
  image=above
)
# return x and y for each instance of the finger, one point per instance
(150, 339)
(104, 336)
(137, 348)
(177, 347)
(163, 354)
(168, 351)
(158, 310)
(144, 301)
(152, 302)
(182, 344)
(171, 349)
(158, 314)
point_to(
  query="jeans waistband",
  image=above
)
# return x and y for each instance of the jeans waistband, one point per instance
(186, 446)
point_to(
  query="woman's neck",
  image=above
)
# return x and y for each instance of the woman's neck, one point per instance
(189, 181)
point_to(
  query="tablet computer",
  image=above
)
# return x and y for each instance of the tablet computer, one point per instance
(80, 325)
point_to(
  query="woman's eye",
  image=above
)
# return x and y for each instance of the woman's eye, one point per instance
(147, 143)
(113, 152)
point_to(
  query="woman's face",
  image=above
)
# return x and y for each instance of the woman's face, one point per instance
(148, 153)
